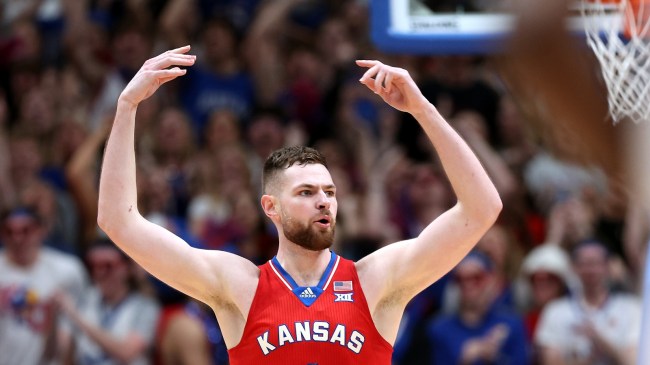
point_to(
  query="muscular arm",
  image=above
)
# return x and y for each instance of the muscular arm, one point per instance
(209, 276)
(394, 274)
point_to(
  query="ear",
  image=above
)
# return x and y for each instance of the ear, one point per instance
(269, 206)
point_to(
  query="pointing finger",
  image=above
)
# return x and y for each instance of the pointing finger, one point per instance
(366, 63)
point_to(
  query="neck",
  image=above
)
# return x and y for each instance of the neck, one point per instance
(472, 314)
(23, 259)
(595, 297)
(305, 266)
(116, 296)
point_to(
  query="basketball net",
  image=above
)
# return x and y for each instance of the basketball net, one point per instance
(618, 32)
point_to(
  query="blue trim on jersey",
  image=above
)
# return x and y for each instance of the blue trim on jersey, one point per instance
(306, 294)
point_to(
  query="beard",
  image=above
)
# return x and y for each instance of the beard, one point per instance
(307, 236)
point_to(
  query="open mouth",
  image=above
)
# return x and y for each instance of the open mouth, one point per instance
(324, 221)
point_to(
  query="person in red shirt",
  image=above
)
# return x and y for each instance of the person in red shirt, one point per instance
(307, 305)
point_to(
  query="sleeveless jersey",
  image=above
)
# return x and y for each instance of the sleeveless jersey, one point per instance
(325, 324)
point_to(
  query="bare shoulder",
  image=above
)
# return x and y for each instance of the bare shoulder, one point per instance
(238, 277)
(374, 272)
(386, 300)
(379, 261)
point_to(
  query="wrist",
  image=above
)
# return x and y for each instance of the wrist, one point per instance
(423, 110)
(124, 103)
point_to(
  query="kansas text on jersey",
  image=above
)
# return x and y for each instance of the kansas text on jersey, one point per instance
(326, 324)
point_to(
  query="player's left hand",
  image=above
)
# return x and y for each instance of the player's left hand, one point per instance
(394, 85)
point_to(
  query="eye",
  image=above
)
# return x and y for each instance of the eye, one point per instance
(304, 193)
(330, 193)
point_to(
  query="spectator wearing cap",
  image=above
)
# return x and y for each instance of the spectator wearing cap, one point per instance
(594, 325)
(545, 276)
(477, 332)
(30, 276)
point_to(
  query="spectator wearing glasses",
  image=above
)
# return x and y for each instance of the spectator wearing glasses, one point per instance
(114, 323)
(30, 276)
(477, 332)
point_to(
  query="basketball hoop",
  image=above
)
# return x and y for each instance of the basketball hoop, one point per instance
(618, 32)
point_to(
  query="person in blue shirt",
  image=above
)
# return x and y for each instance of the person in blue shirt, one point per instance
(220, 82)
(477, 333)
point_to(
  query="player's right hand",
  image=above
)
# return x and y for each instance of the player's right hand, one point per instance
(155, 72)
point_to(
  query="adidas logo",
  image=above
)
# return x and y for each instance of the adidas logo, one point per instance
(307, 293)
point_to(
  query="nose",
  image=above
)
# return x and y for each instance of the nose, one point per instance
(323, 201)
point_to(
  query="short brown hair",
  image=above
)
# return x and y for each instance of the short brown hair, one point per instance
(283, 158)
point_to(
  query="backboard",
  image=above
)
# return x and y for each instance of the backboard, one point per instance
(452, 26)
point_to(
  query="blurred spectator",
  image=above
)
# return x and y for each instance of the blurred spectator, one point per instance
(499, 245)
(517, 145)
(114, 323)
(7, 192)
(219, 80)
(156, 200)
(223, 128)
(82, 173)
(34, 186)
(265, 133)
(428, 194)
(457, 84)
(550, 180)
(30, 276)
(173, 149)
(223, 212)
(595, 325)
(478, 333)
(572, 219)
(189, 334)
(545, 276)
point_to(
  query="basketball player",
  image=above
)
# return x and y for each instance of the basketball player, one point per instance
(307, 305)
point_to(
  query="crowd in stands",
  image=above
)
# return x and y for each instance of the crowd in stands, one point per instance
(555, 281)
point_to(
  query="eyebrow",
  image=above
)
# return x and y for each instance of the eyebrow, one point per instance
(312, 186)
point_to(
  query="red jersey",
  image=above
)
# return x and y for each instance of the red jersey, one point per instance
(320, 325)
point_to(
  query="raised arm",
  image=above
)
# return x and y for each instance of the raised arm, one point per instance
(394, 274)
(209, 276)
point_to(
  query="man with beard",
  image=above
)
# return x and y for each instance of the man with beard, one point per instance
(307, 305)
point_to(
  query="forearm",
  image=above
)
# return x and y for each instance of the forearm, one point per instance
(501, 175)
(123, 350)
(263, 55)
(117, 186)
(272, 13)
(473, 188)
(620, 356)
(7, 191)
(81, 178)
